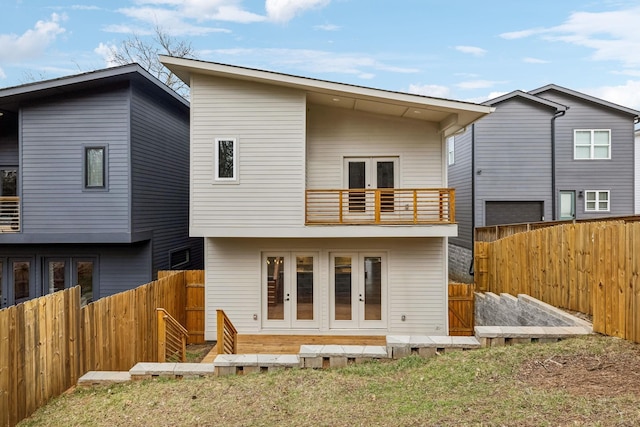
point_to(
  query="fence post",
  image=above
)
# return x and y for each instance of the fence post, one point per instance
(162, 336)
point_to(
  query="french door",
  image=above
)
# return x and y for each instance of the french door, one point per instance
(289, 294)
(358, 290)
(17, 282)
(369, 173)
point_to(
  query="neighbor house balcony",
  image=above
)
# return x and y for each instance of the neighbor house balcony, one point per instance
(383, 206)
(9, 214)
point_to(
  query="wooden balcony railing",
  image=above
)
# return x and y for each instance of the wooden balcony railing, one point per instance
(380, 206)
(227, 335)
(9, 214)
(172, 338)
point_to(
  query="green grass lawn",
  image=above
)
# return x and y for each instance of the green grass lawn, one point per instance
(588, 381)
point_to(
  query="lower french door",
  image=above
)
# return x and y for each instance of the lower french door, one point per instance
(289, 290)
(358, 290)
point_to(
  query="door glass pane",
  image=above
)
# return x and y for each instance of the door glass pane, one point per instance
(84, 273)
(342, 276)
(56, 276)
(304, 288)
(372, 288)
(2, 302)
(385, 179)
(566, 205)
(275, 288)
(357, 180)
(21, 279)
(8, 179)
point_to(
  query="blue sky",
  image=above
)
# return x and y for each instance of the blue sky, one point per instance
(458, 49)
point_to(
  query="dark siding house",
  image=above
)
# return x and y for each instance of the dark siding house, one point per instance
(94, 189)
(548, 154)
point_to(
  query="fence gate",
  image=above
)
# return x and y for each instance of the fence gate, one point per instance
(461, 309)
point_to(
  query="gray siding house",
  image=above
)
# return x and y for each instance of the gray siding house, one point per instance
(94, 184)
(548, 154)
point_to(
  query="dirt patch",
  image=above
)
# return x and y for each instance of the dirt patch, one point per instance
(604, 375)
(197, 352)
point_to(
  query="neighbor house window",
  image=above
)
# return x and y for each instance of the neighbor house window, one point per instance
(451, 149)
(179, 258)
(226, 159)
(596, 201)
(95, 167)
(591, 144)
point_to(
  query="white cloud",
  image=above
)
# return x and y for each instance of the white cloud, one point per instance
(477, 84)
(168, 20)
(2, 74)
(84, 7)
(633, 73)
(106, 52)
(530, 60)
(612, 35)
(285, 10)
(307, 61)
(327, 27)
(437, 91)
(33, 42)
(481, 99)
(522, 34)
(473, 50)
(627, 94)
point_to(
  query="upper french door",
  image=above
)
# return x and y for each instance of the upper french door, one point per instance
(289, 290)
(369, 173)
(358, 290)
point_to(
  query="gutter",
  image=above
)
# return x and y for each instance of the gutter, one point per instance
(553, 163)
(473, 198)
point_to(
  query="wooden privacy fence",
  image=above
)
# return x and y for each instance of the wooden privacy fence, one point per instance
(591, 267)
(47, 343)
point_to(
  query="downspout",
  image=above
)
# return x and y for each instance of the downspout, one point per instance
(473, 196)
(553, 163)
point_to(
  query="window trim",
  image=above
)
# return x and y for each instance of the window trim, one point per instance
(216, 161)
(591, 145)
(597, 200)
(451, 150)
(105, 167)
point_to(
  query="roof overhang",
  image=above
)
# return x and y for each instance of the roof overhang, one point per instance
(12, 97)
(450, 116)
(524, 95)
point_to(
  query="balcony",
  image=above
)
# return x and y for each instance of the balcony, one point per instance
(387, 206)
(9, 214)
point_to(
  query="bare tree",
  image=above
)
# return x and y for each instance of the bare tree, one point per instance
(144, 52)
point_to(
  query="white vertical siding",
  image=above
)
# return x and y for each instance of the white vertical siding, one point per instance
(334, 133)
(416, 271)
(269, 124)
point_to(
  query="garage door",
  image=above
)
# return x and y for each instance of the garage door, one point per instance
(513, 212)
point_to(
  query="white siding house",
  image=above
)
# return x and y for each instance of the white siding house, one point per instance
(324, 206)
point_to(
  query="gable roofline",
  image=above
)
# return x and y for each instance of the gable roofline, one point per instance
(586, 97)
(459, 114)
(90, 79)
(527, 96)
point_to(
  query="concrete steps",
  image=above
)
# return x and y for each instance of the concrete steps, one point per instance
(334, 356)
(147, 370)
